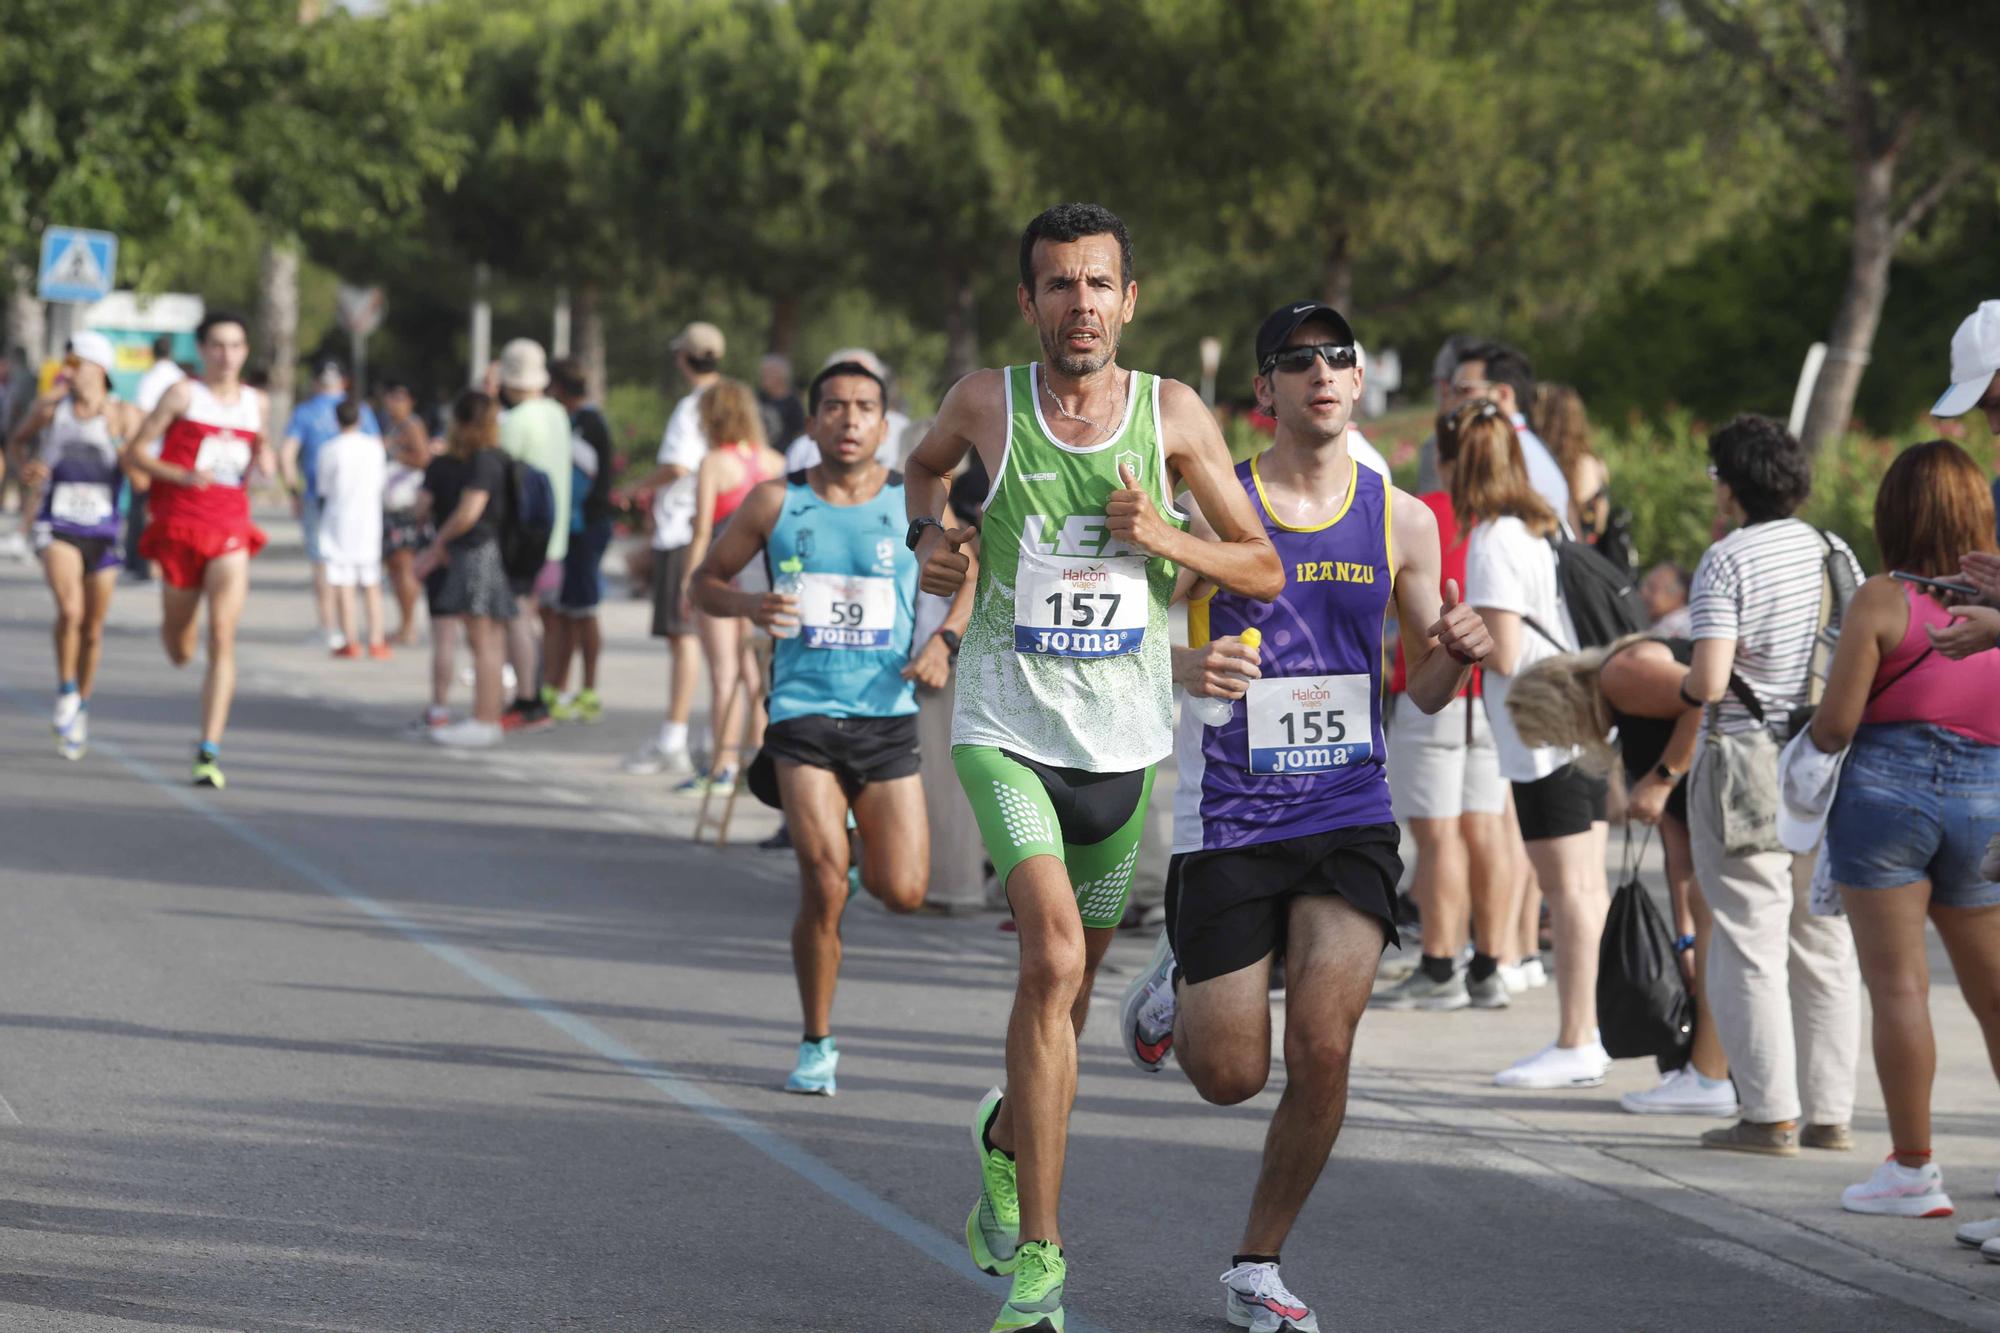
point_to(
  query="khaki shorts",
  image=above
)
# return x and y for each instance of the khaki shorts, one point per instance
(1433, 772)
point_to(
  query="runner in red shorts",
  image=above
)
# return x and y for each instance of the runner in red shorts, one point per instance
(211, 434)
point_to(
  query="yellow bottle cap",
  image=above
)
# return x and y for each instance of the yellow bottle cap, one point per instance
(1252, 637)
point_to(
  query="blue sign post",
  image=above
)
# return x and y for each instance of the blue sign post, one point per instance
(78, 265)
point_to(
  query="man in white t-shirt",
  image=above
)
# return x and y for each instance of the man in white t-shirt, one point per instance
(1498, 372)
(698, 353)
(349, 474)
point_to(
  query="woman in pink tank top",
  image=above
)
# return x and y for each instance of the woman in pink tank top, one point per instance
(1919, 797)
(738, 460)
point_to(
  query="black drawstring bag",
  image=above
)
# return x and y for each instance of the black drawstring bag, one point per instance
(1643, 1006)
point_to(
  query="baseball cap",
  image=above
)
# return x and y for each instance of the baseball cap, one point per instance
(1281, 323)
(701, 340)
(524, 365)
(1975, 356)
(95, 348)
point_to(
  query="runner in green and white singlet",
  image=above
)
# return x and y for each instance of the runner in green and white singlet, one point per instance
(1065, 693)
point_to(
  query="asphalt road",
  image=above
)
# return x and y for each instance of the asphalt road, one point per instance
(383, 1038)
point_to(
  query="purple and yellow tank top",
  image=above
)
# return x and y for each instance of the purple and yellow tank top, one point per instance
(1303, 753)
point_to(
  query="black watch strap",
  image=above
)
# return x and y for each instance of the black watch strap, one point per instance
(951, 642)
(1666, 773)
(916, 532)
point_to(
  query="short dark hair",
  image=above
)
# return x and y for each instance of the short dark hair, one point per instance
(1505, 366)
(215, 317)
(841, 370)
(566, 378)
(700, 365)
(163, 347)
(346, 412)
(1768, 470)
(1073, 222)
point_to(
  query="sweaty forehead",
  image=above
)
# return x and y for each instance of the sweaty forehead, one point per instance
(850, 389)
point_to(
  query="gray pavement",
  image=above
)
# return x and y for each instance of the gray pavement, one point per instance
(383, 1038)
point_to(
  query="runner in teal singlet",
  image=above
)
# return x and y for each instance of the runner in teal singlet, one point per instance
(843, 732)
(1065, 699)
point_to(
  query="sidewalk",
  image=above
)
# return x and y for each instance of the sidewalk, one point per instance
(1779, 1219)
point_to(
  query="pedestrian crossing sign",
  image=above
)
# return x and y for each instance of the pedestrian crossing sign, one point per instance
(77, 265)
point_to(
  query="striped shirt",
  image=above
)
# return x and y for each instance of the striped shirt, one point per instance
(1760, 586)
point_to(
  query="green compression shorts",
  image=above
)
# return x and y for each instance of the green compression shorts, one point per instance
(1092, 821)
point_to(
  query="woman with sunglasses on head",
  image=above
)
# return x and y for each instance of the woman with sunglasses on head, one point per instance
(1510, 575)
(1919, 796)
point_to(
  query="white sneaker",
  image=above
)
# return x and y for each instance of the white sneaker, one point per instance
(1257, 1299)
(74, 740)
(334, 640)
(1557, 1067)
(468, 734)
(1991, 1249)
(68, 706)
(1513, 978)
(1683, 1092)
(1534, 973)
(1899, 1191)
(652, 758)
(1976, 1234)
(1146, 1014)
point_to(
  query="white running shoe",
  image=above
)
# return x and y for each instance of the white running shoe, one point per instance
(652, 759)
(68, 706)
(1513, 978)
(1684, 1092)
(467, 734)
(1558, 1067)
(1146, 1016)
(1258, 1300)
(74, 742)
(1534, 973)
(1976, 1234)
(1899, 1191)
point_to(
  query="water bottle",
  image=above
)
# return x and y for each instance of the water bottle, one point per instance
(789, 583)
(1213, 712)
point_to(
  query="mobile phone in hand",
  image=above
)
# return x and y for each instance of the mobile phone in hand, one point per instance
(1939, 585)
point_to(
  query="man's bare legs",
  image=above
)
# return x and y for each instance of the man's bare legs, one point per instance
(1059, 959)
(1440, 887)
(1493, 884)
(226, 584)
(895, 840)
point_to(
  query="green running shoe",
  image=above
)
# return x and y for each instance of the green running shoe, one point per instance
(589, 708)
(208, 773)
(994, 1229)
(1035, 1304)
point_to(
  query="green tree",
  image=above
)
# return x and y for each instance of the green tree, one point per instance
(1858, 81)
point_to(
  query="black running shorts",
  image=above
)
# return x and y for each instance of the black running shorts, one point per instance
(856, 750)
(1229, 907)
(1567, 801)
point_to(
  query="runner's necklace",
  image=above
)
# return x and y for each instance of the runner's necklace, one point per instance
(1074, 416)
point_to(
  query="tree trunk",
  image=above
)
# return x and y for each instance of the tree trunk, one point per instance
(590, 339)
(278, 321)
(961, 330)
(1337, 277)
(784, 324)
(27, 328)
(1870, 249)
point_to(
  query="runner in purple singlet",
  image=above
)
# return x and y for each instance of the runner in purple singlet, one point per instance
(1283, 837)
(75, 467)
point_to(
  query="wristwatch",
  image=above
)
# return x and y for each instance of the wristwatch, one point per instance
(1665, 774)
(951, 642)
(916, 532)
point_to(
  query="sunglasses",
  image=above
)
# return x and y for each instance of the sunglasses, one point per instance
(1294, 359)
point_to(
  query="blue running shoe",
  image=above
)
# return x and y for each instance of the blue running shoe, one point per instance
(813, 1074)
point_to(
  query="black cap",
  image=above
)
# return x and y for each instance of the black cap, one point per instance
(1281, 323)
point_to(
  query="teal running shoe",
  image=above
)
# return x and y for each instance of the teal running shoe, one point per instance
(813, 1074)
(993, 1230)
(1035, 1304)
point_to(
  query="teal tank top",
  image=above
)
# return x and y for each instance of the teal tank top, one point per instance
(855, 606)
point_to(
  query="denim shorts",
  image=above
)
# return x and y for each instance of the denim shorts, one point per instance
(1916, 802)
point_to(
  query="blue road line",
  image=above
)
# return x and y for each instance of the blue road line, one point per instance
(946, 1251)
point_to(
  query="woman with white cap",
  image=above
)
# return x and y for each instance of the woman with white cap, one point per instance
(76, 469)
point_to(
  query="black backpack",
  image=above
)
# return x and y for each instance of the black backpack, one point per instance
(1603, 601)
(1642, 1002)
(529, 522)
